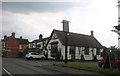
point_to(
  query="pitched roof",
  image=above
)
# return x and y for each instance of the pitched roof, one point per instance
(75, 39)
(22, 41)
(37, 40)
(40, 40)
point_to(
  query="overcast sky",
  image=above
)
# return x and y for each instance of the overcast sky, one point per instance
(29, 19)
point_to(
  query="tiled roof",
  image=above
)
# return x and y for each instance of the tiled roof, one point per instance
(75, 39)
(22, 41)
(40, 40)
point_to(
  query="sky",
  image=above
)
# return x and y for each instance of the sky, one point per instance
(31, 18)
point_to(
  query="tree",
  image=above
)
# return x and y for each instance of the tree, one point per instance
(117, 29)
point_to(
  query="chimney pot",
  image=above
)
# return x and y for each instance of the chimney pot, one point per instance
(92, 33)
(20, 37)
(5, 36)
(13, 34)
(65, 25)
(40, 36)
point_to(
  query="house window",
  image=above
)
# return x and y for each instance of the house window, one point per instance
(20, 46)
(38, 46)
(3, 44)
(98, 51)
(71, 50)
(86, 50)
(54, 49)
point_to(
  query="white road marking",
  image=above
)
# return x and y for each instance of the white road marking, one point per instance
(7, 72)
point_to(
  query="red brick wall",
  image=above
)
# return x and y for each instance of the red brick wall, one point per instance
(12, 44)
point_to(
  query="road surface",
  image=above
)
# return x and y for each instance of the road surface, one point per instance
(23, 67)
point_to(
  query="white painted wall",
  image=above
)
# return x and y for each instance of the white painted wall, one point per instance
(78, 52)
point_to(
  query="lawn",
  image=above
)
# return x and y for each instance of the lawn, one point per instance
(90, 68)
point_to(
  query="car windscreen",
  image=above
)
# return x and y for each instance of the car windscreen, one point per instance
(34, 53)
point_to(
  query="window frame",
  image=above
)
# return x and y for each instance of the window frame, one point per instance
(98, 51)
(86, 51)
(71, 49)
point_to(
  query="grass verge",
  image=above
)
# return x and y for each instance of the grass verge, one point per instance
(91, 68)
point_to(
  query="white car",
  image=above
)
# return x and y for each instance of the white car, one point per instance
(34, 55)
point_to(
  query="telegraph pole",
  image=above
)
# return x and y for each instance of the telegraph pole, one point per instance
(66, 30)
(66, 41)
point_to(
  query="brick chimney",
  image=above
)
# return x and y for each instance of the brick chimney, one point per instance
(13, 34)
(65, 25)
(40, 37)
(5, 36)
(92, 33)
(20, 37)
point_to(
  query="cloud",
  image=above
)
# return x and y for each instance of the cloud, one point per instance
(27, 7)
(31, 25)
(30, 19)
(44, 6)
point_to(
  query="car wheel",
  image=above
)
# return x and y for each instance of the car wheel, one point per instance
(30, 58)
(27, 58)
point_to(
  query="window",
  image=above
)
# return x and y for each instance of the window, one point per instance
(3, 44)
(71, 50)
(38, 46)
(86, 50)
(20, 46)
(54, 49)
(98, 51)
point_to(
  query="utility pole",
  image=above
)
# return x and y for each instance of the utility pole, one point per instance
(66, 44)
(66, 30)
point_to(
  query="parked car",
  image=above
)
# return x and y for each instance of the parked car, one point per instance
(34, 55)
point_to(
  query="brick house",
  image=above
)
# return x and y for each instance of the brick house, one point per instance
(12, 46)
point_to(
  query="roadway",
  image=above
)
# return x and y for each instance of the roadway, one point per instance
(23, 67)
